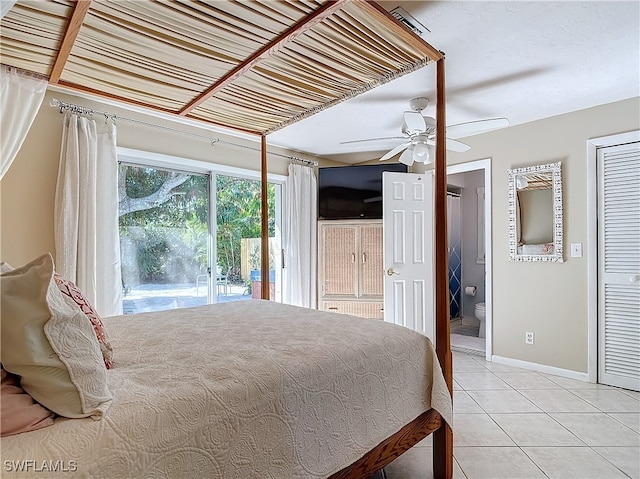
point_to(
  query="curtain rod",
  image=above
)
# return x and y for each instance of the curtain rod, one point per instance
(65, 106)
(310, 163)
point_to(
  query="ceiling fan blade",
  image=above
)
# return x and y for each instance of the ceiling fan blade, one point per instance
(374, 139)
(470, 128)
(455, 145)
(395, 151)
(414, 121)
(407, 157)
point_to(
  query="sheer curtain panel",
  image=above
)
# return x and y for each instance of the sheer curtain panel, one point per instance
(301, 246)
(22, 95)
(86, 211)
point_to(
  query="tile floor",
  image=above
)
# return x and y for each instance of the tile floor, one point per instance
(513, 423)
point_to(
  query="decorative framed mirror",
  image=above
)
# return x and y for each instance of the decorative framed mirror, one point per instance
(535, 213)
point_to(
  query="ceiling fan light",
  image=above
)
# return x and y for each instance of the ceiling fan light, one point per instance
(421, 153)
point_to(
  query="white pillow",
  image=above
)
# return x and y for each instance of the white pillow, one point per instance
(48, 341)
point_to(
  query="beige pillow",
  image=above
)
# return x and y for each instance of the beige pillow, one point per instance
(50, 343)
(72, 291)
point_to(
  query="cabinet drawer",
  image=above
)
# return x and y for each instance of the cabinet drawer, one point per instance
(372, 310)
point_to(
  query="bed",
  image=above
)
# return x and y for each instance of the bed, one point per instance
(283, 62)
(243, 390)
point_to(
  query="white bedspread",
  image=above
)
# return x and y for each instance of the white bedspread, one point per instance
(249, 389)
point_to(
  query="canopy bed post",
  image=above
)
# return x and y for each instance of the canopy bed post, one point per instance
(443, 437)
(264, 268)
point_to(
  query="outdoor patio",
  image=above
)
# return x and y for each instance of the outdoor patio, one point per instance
(157, 297)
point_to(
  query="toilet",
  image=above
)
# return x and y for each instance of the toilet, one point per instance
(480, 312)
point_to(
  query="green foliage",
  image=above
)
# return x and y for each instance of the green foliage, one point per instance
(152, 253)
(141, 181)
(190, 198)
(169, 242)
(239, 216)
(165, 242)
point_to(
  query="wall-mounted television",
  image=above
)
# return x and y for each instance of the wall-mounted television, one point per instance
(349, 192)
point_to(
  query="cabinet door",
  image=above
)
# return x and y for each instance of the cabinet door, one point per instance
(339, 260)
(371, 259)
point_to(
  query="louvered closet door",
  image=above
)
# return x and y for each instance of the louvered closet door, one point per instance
(619, 265)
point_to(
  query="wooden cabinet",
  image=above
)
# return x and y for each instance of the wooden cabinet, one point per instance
(350, 267)
(356, 308)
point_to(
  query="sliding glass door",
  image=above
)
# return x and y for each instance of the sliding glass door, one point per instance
(238, 243)
(164, 238)
(189, 239)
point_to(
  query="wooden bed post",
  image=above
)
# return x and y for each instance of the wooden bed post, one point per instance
(443, 437)
(264, 267)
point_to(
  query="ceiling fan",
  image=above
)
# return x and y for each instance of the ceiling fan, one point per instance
(419, 133)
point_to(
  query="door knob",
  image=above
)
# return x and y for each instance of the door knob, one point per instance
(391, 272)
(634, 278)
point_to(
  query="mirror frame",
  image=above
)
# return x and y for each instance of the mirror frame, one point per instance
(556, 182)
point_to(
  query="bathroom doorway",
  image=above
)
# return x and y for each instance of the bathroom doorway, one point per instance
(470, 185)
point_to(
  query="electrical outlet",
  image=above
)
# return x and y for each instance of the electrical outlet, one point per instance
(528, 337)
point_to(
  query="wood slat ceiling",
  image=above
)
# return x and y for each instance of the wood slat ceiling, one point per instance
(249, 65)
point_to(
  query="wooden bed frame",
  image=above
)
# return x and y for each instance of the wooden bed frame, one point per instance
(430, 421)
(388, 450)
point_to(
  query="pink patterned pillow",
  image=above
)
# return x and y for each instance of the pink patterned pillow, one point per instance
(70, 289)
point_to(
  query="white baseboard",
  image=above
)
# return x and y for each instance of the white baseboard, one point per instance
(541, 368)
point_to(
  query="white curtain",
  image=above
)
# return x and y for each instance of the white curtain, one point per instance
(86, 211)
(20, 100)
(301, 243)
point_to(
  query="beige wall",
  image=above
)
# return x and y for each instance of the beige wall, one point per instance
(549, 299)
(27, 190)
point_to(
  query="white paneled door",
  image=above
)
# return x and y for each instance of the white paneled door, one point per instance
(618, 170)
(408, 250)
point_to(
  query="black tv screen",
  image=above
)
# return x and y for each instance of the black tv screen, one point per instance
(348, 192)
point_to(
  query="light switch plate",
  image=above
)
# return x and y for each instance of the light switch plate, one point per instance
(576, 250)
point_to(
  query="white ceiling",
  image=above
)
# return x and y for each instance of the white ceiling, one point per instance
(521, 60)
